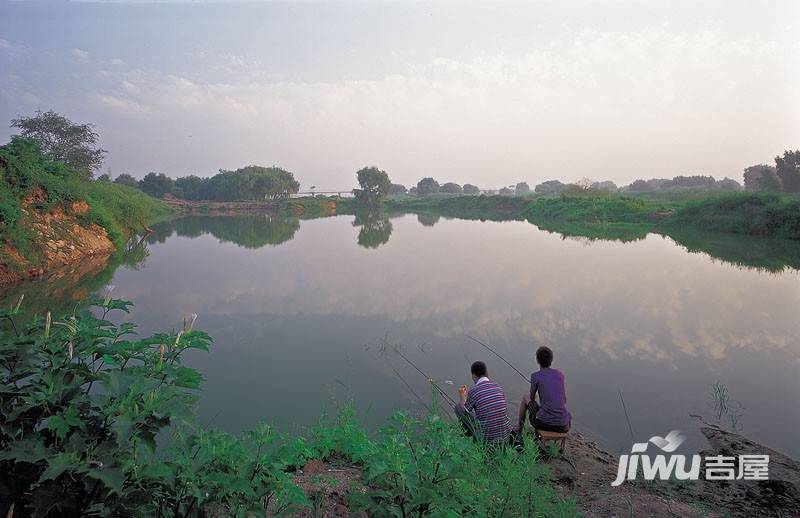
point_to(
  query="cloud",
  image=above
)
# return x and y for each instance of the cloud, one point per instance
(121, 106)
(80, 55)
(613, 93)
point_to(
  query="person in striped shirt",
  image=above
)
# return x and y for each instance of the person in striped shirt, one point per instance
(482, 408)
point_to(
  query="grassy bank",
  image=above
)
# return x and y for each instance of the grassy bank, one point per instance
(757, 214)
(32, 184)
(83, 400)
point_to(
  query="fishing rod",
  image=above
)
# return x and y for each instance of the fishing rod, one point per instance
(498, 355)
(430, 380)
(430, 408)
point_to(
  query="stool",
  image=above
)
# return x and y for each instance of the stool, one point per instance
(543, 436)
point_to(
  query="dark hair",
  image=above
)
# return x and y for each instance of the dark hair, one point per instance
(544, 356)
(479, 369)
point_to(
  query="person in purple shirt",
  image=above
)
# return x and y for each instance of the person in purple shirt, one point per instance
(550, 413)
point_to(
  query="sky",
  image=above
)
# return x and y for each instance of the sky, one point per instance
(483, 93)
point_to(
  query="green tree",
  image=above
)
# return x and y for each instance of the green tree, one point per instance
(729, 184)
(505, 191)
(451, 188)
(104, 178)
(761, 178)
(156, 184)
(788, 169)
(607, 186)
(126, 179)
(74, 144)
(396, 189)
(374, 184)
(471, 189)
(251, 183)
(550, 187)
(427, 186)
(522, 188)
(189, 188)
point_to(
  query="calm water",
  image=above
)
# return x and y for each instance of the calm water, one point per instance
(298, 310)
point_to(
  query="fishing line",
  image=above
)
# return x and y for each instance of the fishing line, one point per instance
(430, 380)
(498, 355)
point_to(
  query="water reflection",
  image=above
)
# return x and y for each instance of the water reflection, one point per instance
(376, 228)
(249, 230)
(428, 219)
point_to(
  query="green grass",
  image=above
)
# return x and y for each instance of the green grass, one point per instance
(594, 209)
(757, 214)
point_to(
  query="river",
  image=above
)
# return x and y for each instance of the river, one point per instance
(305, 313)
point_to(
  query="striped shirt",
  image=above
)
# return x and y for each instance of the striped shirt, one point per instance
(486, 399)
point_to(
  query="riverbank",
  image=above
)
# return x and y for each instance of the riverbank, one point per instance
(88, 443)
(593, 213)
(50, 218)
(584, 473)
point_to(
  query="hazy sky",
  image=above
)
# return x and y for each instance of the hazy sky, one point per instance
(489, 94)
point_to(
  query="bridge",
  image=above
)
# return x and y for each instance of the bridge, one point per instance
(346, 193)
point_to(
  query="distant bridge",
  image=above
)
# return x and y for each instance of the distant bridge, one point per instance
(341, 194)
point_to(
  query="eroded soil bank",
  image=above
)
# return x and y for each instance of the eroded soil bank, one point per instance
(59, 238)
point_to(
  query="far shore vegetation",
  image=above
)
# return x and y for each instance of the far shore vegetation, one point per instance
(52, 163)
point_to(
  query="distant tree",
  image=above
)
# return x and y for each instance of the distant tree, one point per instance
(607, 186)
(189, 188)
(639, 186)
(62, 139)
(550, 187)
(427, 186)
(522, 188)
(761, 178)
(374, 184)
(729, 184)
(156, 184)
(788, 170)
(104, 178)
(396, 189)
(451, 188)
(471, 189)
(126, 179)
(691, 182)
(506, 191)
(251, 183)
(413, 191)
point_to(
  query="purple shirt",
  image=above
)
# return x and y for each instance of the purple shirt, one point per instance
(549, 383)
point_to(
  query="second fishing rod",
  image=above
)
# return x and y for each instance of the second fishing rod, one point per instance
(435, 385)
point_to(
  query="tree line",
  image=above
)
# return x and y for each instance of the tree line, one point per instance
(77, 146)
(251, 183)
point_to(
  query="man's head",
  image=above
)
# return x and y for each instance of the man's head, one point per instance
(478, 370)
(544, 356)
